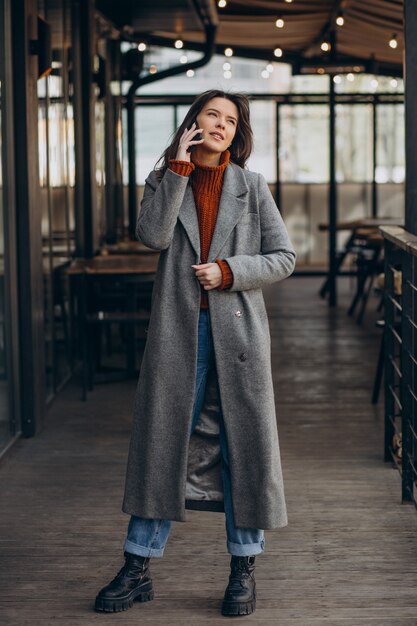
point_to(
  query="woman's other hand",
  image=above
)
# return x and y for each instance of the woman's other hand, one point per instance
(209, 275)
(186, 141)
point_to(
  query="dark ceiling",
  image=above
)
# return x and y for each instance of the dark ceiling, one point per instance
(248, 26)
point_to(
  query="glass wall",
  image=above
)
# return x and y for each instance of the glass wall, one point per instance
(303, 137)
(9, 425)
(57, 179)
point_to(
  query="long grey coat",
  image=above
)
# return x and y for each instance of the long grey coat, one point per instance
(168, 471)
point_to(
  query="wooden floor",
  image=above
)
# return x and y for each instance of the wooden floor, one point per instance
(347, 557)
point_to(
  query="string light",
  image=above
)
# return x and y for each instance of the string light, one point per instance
(340, 20)
(153, 69)
(393, 82)
(179, 44)
(142, 46)
(190, 73)
(374, 83)
(222, 3)
(325, 46)
(228, 52)
(227, 66)
(321, 70)
(265, 74)
(393, 43)
(227, 74)
(337, 79)
(279, 23)
(350, 77)
(270, 67)
(183, 58)
(289, 1)
(278, 52)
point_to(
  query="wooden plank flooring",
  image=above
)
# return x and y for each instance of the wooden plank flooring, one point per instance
(347, 558)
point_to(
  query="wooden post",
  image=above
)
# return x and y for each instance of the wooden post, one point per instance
(29, 236)
(84, 127)
(410, 74)
(332, 197)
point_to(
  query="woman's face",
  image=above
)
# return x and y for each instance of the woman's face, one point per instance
(219, 119)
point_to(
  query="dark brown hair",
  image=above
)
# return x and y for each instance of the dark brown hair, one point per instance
(242, 144)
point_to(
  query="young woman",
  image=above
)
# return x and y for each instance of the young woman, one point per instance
(204, 431)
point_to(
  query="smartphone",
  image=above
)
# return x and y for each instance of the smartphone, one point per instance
(196, 137)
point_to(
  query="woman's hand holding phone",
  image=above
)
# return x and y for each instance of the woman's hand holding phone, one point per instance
(189, 138)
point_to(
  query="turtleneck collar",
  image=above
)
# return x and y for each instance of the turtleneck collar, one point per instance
(223, 162)
(210, 177)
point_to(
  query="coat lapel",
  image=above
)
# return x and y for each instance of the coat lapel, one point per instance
(233, 201)
(189, 219)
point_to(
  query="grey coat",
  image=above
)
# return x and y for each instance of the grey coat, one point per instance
(168, 471)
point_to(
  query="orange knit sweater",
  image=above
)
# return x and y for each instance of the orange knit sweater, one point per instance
(207, 189)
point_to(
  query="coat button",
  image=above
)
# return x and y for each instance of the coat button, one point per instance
(238, 313)
(242, 356)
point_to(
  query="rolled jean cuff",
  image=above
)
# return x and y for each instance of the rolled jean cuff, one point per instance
(245, 549)
(135, 548)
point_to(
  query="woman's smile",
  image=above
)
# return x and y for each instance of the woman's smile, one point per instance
(217, 136)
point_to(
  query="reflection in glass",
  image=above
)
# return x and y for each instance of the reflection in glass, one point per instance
(304, 148)
(100, 169)
(390, 143)
(56, 177)
(263, 157)
(354, 161)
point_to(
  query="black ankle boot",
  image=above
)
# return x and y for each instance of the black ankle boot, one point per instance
(240, 594)
(132, 582)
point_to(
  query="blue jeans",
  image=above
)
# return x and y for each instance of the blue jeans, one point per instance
(147, 537)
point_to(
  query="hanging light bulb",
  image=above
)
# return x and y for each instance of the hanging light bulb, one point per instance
(321, 70)
(179, 44)
(289, 1)
(270, 67)
(221, 3)
(278, 52)
(228, 52)
(337, 79)
(393, 82)
(183, 58)
(340, 20)
(190, 73)
(265, 74)
(350, 77)
(142, 46)
(227, 66)
(153, 69)
(325, 46)
(227, 74)
(393, 43)
(279, 23)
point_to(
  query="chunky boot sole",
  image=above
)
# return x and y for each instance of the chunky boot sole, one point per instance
(239, 608)
(113, 605)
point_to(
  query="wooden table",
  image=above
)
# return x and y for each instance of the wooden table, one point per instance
(132, 270)
(365, 229)
(116, 265)
(367, 222)
(127, 247)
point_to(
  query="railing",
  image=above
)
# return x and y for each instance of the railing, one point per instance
(400, 356)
